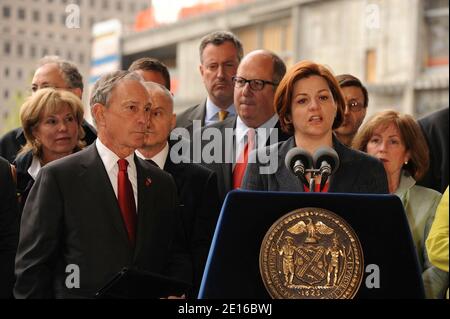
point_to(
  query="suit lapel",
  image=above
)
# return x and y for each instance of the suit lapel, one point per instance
(146, 204)
(97, 182)
(285, 179)
(341, 180)
(229, 148)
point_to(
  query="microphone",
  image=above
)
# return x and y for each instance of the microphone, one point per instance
(326, 161)
(298, 160)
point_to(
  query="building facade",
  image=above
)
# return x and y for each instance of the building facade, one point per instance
(31, 29)
(398, 48)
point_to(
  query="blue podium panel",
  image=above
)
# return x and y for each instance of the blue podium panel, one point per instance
(379, 221)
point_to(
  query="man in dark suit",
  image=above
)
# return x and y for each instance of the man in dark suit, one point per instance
(435, 129)
(255, 83)
(51, 72)
(220, 54)
(197, 186)
(9, 229)
(102, 209)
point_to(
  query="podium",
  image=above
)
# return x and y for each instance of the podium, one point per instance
(379, 221)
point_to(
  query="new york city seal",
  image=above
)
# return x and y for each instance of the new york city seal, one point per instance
(311, 253)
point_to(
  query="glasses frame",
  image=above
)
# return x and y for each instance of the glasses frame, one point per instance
(255, 84)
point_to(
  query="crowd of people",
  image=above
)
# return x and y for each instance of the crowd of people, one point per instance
(132, 192)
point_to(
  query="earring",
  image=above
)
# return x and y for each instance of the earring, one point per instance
(406, 162)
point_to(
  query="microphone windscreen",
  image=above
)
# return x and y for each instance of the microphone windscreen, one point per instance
(328, 155)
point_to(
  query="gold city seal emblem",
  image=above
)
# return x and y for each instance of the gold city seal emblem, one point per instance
(311, 253)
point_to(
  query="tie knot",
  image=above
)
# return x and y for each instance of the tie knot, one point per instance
(123, 164)
(223, 115)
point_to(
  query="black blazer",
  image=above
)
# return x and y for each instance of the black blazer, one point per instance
(357, 172)
(435, 129)
(199, 207)
(9, 229)
(24, 179)
(224, 168)
(14, 140)
(72, 217)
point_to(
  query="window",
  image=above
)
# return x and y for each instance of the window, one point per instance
(132, 7)
(50, 18)
(6, 72)
(69, 56)
(36, 16)
(371, 64)
(437, 30)
(81, 58)
(6, 94)
(6, 12)
(20, 49)
(21, 14)
(119, 5)
(32, 51)
(44, 52)
(6, 48)
(19, 74)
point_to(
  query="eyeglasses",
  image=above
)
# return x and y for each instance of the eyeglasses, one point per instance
(255, 84)
(355, 106)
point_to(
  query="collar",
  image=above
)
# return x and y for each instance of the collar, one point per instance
(160, 158)
(212, 111)
(35, 167)
(406, 182)
(242, 129)
(109, 158)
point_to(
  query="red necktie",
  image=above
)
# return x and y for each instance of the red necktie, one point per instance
(241, 165)
(126, 200)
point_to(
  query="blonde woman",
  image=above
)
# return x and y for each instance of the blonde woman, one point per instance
(51, 120)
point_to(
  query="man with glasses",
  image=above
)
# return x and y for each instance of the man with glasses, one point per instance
(357, 100)
(55, 73)
(255, 83)
(220, 54)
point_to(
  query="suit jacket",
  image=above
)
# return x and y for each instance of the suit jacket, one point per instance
(9, 229)
(224, 166)
(357, 172)
(435, 129)
(12, 142)
(72, 217)
(198, 112)
(24, 180)
(185, 118)
(199, 208)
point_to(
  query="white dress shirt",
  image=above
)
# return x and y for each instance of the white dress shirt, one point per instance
(109, 160)
(159, 159)
(241, 132)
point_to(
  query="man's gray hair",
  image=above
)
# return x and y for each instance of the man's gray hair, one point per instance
(219, 37)
(69, 71)
(101, 92)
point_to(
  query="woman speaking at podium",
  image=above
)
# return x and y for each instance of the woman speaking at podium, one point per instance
(310, 105)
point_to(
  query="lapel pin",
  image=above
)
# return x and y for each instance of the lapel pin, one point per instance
(148, 181)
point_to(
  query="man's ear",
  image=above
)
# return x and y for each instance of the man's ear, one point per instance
(78, 92)
(98, 112)
(200, 68)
